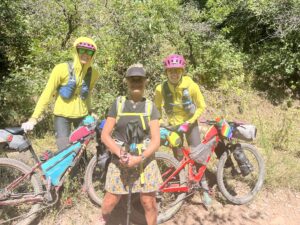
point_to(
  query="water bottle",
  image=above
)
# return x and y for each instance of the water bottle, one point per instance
(242, 160)
(188, 105)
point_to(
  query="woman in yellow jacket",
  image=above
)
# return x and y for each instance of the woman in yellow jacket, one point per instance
(71, 83)
(183, 104)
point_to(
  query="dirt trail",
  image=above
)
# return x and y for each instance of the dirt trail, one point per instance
(280, 207)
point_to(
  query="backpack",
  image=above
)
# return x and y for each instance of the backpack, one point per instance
(136, 134)
(120, 104)
(67, 91)
(187, 103)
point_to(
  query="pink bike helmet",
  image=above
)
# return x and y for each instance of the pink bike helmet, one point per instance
(174, 61)
(86, 45)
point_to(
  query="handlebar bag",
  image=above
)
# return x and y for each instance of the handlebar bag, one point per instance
(246, 132)
(79, 133)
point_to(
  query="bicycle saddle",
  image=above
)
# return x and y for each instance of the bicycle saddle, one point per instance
(15, 130)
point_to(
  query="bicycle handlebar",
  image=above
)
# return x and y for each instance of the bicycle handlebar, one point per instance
(213, 122)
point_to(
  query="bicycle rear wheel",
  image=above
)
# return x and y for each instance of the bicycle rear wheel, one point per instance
(168, 202)
(10, 170)
(235, 187)
(94, 179)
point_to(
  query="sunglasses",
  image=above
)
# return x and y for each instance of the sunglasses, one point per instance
(174, 70)
(84, 50)
(136, 79)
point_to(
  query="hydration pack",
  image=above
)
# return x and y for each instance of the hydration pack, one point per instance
(120, 107)
(134, 133)
(67, 91)
(187, 103)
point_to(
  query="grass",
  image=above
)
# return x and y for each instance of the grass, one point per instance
(278, 135)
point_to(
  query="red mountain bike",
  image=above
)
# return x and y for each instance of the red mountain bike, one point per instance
(240, 170)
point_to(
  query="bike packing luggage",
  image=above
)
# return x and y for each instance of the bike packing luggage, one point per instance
(55, 167)
(13, 141)
(201, 152)
(245, 132)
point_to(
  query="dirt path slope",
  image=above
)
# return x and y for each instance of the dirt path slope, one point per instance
(280, 207)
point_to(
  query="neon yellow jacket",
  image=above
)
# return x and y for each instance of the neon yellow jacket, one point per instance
(74, 107)
(179, 115)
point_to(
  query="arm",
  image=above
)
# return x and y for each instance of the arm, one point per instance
(50, 89)
(155, 139)
(158, 101)
(106, 136)
(199, 102)
(158, 98)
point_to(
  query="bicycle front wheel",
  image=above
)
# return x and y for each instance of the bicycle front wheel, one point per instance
(235, 187)
(94, 180)
(168, 202)
(25, 213)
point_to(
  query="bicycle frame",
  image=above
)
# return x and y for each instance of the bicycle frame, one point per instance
(187, 161)
(37, 167)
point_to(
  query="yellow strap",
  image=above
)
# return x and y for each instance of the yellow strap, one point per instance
(148, 108)
(120, 104)
(143, 122)
(136, 114)
(142, 174)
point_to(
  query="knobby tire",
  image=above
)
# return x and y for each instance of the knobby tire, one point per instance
(94, 180)
(35, 184)
(254, 179)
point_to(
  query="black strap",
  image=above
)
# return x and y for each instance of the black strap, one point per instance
(168, 97)
(88, 77)
(71, 70)
(134, 133)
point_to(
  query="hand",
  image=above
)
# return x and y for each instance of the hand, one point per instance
(29, 125)
(134, 161)
(183, 128)
(96, 117)
(124, 157)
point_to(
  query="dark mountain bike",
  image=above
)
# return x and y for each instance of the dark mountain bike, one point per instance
(25, 191)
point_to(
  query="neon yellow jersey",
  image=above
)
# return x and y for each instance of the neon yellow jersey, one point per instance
(179, 115)
(74, 107)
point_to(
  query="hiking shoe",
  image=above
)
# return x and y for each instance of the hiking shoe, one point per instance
(206, 199)
(100, 221)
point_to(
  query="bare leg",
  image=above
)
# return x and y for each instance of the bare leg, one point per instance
(109, 202)
(148, 201)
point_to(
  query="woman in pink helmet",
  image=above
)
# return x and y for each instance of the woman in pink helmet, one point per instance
(183, 103)
(71, 83)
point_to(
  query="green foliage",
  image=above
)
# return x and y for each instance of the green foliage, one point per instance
(268, 32)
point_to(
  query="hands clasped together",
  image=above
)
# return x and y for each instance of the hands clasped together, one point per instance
(128, 160)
